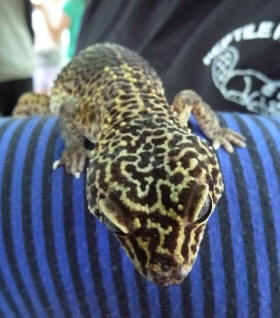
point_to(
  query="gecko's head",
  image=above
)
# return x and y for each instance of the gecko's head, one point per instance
(158, 206)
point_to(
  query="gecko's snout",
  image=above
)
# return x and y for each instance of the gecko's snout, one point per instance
(173, 277)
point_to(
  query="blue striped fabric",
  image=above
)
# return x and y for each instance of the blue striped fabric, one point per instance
(56, 260)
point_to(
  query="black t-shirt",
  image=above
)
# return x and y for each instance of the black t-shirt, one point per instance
(228, 51)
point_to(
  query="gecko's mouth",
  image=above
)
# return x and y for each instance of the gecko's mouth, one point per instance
(176, 276)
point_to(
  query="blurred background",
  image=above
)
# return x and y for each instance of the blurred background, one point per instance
(227, 51)
(38, 37)
(56, 25)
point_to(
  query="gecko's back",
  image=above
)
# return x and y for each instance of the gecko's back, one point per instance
(103, 86)
(96, 68)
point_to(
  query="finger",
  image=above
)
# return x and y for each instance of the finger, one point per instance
(56, 164)
(77, 175)
(227, 145)
(216, 144)
(235, 134)
(74, 164)
(236, 141)
(239, 143)
(82, 162)
(89, 153)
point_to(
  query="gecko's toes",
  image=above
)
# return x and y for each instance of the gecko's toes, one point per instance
(74, 161)
(217, 143)
(228, 139)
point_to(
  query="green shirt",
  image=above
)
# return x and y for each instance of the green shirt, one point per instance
(74, 10)
(16, 51)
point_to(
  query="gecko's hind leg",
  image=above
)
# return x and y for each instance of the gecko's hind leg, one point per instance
(188, 101)
(30, 104)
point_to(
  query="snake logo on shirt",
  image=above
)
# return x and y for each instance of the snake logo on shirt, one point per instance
(245, 86)
(256, 91)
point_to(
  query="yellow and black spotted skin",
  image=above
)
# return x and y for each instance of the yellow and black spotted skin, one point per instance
(150, 180)
(32, 103)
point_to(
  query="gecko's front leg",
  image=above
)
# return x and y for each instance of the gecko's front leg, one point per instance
(76, 126)
(188, 101)
(75, 154)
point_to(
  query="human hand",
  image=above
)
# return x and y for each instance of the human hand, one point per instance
(38, 4)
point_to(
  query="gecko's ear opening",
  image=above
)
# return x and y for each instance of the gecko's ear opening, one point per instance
(205, 211)
(199, 204)
(114, 214)
(113, 227)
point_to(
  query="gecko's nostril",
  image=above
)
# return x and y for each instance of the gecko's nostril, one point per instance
(165, 267)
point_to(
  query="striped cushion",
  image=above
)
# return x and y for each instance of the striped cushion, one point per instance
(56, 260)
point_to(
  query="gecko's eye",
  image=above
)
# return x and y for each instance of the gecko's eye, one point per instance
(205, 211)
(112, 227)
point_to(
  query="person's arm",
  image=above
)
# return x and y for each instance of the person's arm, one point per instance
(57, 28)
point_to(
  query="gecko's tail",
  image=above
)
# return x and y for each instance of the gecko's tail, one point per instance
(32, 104)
